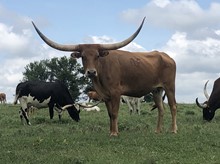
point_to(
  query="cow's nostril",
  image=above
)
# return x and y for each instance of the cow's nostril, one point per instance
(91, 73)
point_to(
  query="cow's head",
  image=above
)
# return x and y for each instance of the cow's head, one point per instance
(73, 112)
(89, 53)
(208, 113)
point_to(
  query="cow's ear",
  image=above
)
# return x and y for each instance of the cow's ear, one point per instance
(103, 53)
(76, 55)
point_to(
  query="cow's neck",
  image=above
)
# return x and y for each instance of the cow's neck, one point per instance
(102, 92)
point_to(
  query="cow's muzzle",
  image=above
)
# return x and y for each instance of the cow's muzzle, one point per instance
(91, 73)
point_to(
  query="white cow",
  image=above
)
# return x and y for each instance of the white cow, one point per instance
(133, 103)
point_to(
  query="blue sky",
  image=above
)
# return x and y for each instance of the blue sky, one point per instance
(188, 30)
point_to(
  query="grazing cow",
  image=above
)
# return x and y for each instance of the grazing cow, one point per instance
(2, 98)
(93, 96)
(212, 103)
(41, 94)
(115, 72)
(133, 103)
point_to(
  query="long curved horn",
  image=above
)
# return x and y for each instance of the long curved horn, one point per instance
(205, 91)
(76, 47)
(67, 106)
(54, 44)
(200, 105)
(86, 106)
(115, 46)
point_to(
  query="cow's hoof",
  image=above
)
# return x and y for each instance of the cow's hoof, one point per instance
(157, 131)
(113, 134)
(174, 131)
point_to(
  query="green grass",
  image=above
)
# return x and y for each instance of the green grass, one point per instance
(51, 141)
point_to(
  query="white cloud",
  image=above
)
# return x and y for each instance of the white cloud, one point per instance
(18, 48)
(194, 55)
(11, 42)
(178, 15)
(108, 40)
(197, 61)
(161, 3)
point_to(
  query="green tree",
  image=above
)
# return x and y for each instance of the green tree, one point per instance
(36, 71)
(66, 70)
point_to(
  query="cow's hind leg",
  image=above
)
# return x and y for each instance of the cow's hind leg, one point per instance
(21, 115)
(157, 96)
(172, 103)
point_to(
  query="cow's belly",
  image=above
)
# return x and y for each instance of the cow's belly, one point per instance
(26, 101)
(137, 91)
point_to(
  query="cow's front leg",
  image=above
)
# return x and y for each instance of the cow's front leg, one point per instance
(113, 108)
(51, 111)
(23, 113)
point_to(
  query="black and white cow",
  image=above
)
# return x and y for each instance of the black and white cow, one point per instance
(212, 103)
(41, 94)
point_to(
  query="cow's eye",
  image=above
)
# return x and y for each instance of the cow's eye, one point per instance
(103, 53)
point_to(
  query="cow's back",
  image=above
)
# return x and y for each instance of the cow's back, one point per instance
(56, 91)
(214, 97)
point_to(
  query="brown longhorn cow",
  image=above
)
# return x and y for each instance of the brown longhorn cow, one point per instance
(115, 72)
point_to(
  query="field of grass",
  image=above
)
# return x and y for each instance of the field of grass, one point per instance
(88, 141)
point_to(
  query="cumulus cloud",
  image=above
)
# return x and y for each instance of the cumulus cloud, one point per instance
(181, 15)
(12, 43)
(18, 47)
(197, 61)
(108, 40)
(194, 55)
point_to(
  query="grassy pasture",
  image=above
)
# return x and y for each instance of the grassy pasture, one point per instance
(51, 141)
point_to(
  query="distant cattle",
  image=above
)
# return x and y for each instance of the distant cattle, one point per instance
(2, 98)
(88, 107)
(31, 110)
(93, 95)
(116, 72)
(133, 103)
(213, 101)
(39, 94)
(154, 106)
